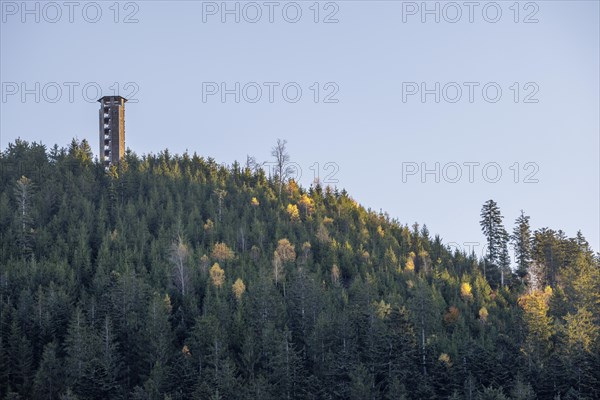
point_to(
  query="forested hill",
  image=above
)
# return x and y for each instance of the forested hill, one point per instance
(173, 277)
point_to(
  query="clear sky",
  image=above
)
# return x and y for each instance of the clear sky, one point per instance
(371, 61)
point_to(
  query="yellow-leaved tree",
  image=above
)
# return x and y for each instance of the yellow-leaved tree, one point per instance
(238, 288)
(217, 275)
(293, 212)
(466, 291)
(307, 204)
(409, 265)
(483, 314)
(222, 253)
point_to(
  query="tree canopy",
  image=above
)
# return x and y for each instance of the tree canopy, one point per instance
(175, 277)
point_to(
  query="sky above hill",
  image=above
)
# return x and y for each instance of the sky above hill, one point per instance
(422, 110)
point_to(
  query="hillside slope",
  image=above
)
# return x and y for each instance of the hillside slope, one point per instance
(172, 277)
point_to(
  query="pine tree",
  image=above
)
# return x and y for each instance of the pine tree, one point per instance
(492, 228)
(78, 348)
(106, 363)
(21, 360)
(545, 249)
(521, 239)
(23, 195)
(504, 257)
(49, 379)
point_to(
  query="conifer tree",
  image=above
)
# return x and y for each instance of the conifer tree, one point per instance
(49, 378)
(521, 239)
(23, 194)
(492, 228)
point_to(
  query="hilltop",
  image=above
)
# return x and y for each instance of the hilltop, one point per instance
(174, 277)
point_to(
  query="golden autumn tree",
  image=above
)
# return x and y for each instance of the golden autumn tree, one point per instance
(307, 204)
(293, 212)
(217, 275)
(255, 204)
(483, 314)
(466, 291)
(292, 187)
(410, 262)
(238, 289)
(222, 253)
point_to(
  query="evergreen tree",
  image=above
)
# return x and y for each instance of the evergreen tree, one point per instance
(504, 257)
(20, 357)
(49, 378)
(521, 239)
(492, 228)
(23, 195)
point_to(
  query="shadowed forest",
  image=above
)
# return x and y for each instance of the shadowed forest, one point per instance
(174, 277)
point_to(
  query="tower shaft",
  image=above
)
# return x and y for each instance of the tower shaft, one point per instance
(112, 129)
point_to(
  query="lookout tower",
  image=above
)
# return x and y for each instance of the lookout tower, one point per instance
(112, 129)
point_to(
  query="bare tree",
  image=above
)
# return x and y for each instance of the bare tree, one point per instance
(252, 164)
(282, 158)
(179, 255)
(284, 253)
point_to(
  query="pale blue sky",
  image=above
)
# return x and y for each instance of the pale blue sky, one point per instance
(370, 132)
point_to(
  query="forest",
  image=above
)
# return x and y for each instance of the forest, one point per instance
(175, 277)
